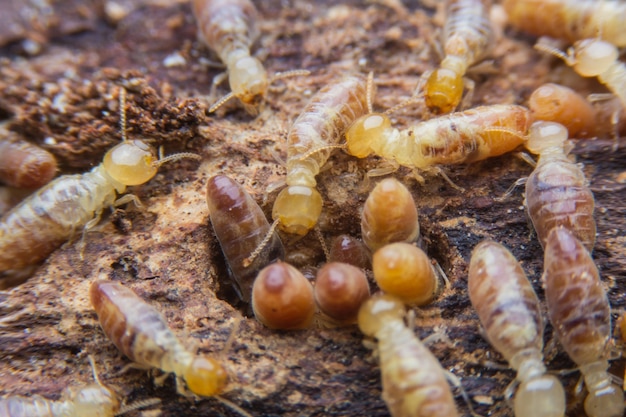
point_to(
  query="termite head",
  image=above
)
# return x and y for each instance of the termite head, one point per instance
(592, 57)
(248, 80)
(379, 310)
(282, 298)
(297, 209)
(94, 400)
(544, 135)
(131, 162)
(605, 399)
(443, 90)
(365, 131)
(542, 395)
(205, 376)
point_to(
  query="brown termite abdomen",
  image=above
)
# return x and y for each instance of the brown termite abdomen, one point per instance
(240, 227)
(468, 38)
(25, 165)
(557, 192)
(142, 334)
(322, 123)
(456, 138)
(340, 289)
(229, 28)
(282, 298)
(570, 20)
(350, 250)
(389, 215)
(579, 310)
(510, 312)
(72, 203)
(414, 383)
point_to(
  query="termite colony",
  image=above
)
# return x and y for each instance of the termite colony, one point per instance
(267, 230)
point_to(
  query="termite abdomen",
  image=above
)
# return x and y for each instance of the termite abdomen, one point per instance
(25, 165)
(240, 226)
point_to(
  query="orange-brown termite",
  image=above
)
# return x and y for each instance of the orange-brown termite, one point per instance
(73, 203)
(340, 289)
(580, 313)
(240, 226)
(23, 164)
(142, 334)
(468, 38)
(461, 137)
(350, 250)
(320, 126)
(570, 20)
(389, 215)
(557, 192)
(414, 383)
(510, 312)
(229, 27)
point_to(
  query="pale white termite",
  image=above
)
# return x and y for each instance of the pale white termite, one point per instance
(72, 203)
(468, 38)
(414, 383)
(229, 28)
(510, 312)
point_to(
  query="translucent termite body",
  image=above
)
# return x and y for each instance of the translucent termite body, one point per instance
(414, 383)
(581, 315)
(389, 215)
(71, 203)
(228, 27)
(457, 138)
(92, 400)
(240, 226)
(322, 123)
(595, 58)
(560, 104)
(570, 20)
(25, 165)
(141, 333)
(282, 298)
(468, 38)
(557, 192)
(510, 312)
(340, 290)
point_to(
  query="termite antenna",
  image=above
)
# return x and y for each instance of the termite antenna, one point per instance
(405, 103)
(369, 91)
(542, 46)
(94, 371)
(248, 261)
(127, 408)
(176, 157)
(122, 95)
(232, 406)
(320, 149)
(289, 74)
(318, 233)
(221, 101)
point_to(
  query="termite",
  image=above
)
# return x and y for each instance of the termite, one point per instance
(240, 226)
(560, 104)
(468, 38)
(282, 298)
(23, 164)
(405, 271)
(461, 137)
(229, 28)
(557, 192)
(581, 316)
(510, 313)
(595, 58)
(350, 250)
(51, 216)
(320, 126)
(414, 383)
(570, 20)
(142, 334)
(389, 215)
(340, 290)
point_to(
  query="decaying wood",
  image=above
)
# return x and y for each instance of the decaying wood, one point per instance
(64, 98)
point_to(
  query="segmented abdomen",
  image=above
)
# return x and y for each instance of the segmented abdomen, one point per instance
(23, 164)
(226, 25)
(323, 122)
(467, 32)
(414, 384)
(34, 406)
(577, 303)
(137, 329)
(240, 226)
(557, 195)
(45, 220)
